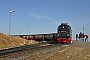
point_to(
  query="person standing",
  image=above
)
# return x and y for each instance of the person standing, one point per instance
(76, 37)
(80, 35)
(83, 36)
(86, 37)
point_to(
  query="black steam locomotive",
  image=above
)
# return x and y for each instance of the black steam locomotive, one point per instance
(64, 33)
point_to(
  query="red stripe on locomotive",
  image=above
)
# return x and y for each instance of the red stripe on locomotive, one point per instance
(66, 40)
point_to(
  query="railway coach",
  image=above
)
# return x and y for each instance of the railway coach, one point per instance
(40, 37)
(45, 37)
(64, 33)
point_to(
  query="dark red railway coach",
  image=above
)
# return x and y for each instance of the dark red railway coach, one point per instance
(64, 33)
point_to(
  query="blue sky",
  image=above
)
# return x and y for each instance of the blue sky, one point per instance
(44, 16)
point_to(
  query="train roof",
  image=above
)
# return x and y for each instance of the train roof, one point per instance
(63, 23)
(34, 34)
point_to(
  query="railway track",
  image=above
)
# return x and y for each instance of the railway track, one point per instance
(28, 51)
(16, 50)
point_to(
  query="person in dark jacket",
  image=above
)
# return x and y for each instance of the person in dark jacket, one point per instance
(76, 37)
(86, 37)
(80, 35)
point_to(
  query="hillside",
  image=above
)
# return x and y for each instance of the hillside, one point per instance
(7, 41)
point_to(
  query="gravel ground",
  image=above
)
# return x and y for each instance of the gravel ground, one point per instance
(39, 53)
(79, 51)
(46, 52)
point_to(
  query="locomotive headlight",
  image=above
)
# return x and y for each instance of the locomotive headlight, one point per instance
(63, 26)
(58, 34)
(67, 34)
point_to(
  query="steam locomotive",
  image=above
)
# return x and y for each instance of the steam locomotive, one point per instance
(63, 35)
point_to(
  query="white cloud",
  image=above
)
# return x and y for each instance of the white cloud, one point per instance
(43, 17)
(36, 16)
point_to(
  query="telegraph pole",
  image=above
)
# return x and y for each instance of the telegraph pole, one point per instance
(20, 32)
(83, 28)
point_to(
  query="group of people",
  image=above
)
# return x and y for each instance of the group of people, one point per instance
(82, 37)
